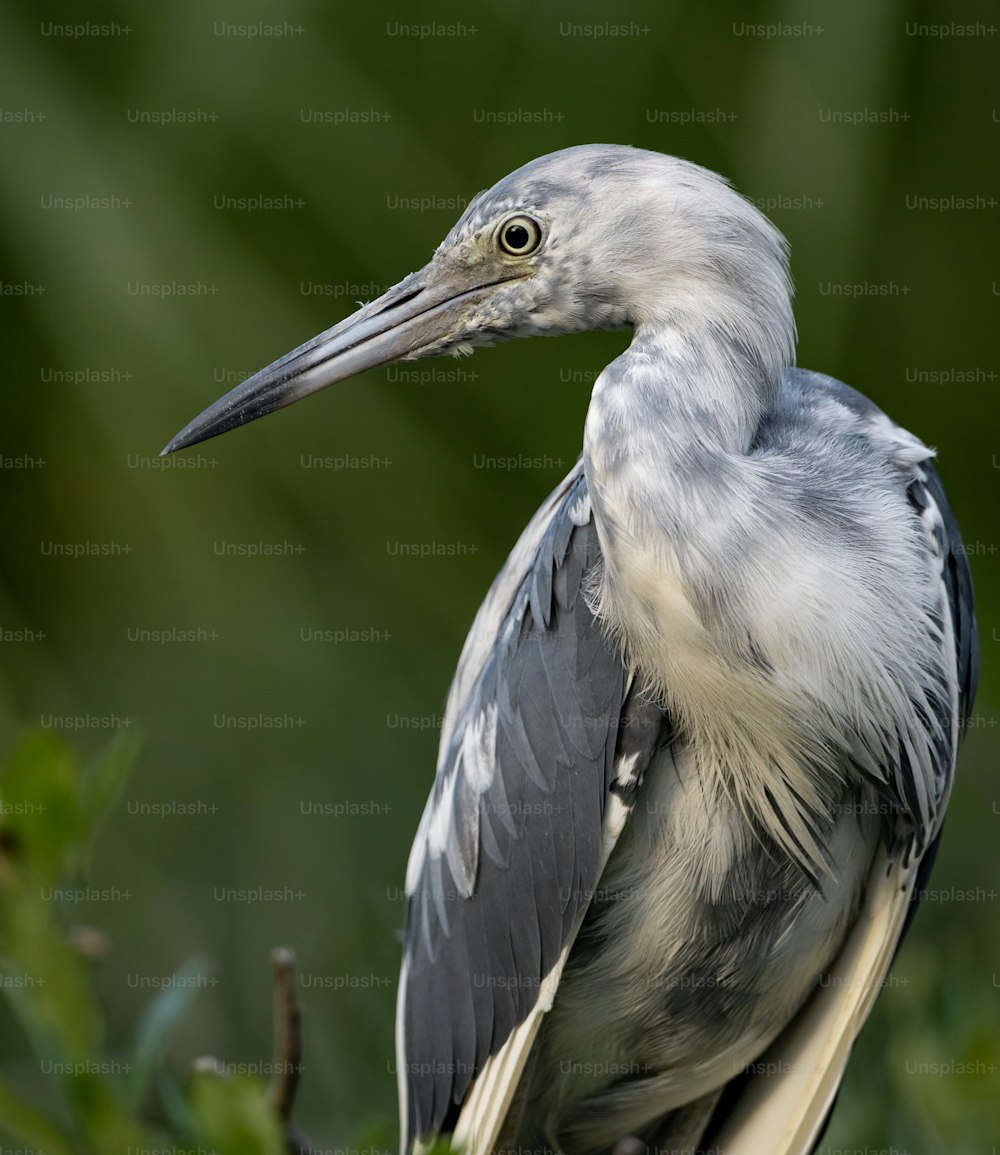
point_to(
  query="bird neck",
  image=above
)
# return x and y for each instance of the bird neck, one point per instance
(676, 497)
(678, 397)
(665, 452)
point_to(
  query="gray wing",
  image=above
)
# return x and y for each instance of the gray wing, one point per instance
(510, 845)
(928, 497)
(943, 714)
(753, 1111)
(905, 770)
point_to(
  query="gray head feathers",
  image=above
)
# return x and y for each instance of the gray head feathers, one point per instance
(634, 238)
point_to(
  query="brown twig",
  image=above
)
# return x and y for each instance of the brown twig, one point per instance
(287, 1050)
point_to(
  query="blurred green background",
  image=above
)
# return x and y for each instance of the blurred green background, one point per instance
(127, 596)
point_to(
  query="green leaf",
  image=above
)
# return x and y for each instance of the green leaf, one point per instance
(158, 1022)
(51, 815)
(50, 993)
(41, 819)
(29, 1126)
(235, 1117)
(103, 781)
(108, 1125)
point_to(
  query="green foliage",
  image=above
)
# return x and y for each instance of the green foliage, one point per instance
(234, 1117)
(52, 809)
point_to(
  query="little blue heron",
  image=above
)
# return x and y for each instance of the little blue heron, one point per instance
(700, 741)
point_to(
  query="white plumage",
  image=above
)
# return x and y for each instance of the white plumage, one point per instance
(698, 747)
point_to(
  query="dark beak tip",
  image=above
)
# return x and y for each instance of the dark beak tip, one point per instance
(184, 440)
(173, 445)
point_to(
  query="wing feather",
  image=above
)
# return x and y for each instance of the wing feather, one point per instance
(514, 836)
(786, 1114)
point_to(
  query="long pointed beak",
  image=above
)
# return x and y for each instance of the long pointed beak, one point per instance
(423, 314)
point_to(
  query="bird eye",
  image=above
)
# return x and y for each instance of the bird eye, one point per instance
(520, 235)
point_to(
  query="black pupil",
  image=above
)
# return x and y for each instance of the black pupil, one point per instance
(517, 237)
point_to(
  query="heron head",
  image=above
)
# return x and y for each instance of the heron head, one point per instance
(592, 237)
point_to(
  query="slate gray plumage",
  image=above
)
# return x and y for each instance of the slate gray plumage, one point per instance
(701, 738)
